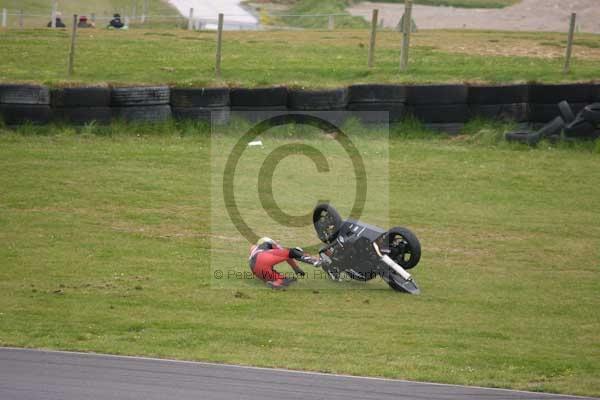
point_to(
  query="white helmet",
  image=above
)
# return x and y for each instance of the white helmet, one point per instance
(266, 242)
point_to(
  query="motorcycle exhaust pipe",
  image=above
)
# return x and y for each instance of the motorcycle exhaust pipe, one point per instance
(392, 264)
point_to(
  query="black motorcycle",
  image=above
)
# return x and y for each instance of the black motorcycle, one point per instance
(362, 252)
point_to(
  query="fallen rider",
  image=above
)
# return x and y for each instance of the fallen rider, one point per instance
(266, 254)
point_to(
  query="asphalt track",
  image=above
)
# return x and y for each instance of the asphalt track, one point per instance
(48, 375)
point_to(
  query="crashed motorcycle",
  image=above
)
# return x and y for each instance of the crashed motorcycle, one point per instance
(363, 252)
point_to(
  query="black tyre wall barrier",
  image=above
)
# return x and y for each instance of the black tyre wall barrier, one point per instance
(259, 97)
(432, 104)
(330, 99)
(140, 96)
(203, 97)
(24, 94)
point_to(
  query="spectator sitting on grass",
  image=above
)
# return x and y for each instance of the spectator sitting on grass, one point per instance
(116, 22)
(83, 23)
(59, 23)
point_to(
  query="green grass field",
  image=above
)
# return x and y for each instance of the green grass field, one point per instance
(313, 58)
(105, 245)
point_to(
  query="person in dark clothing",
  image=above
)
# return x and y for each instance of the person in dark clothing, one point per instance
(59, 23)
(116, 22)
(83, 23)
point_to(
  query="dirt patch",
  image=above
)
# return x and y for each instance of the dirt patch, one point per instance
(529, 15)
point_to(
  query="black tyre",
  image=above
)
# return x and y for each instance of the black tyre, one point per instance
(327, 222)
(552, 94)
(24, 94)
(143, 114)
(437, 94)
(566, 112)
(332, 99)
(580, 128)
(81, 97)
(259, 97)
(369, 93)
(403, 245)
(505, 94)
(200, 97)
(530, 138)
(591, 113)
(554, 127)
(140, 96)
(16, 114)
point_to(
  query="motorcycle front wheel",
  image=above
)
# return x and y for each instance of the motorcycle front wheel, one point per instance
(327, 222)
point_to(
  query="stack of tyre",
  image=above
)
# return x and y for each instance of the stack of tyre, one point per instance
(257, 104)
(82, 105)
(141, 104)
(377, 103)
(506, 102)
(327, 104)
(25, 104)
(201, 104)
(565, 111)
(439, 107)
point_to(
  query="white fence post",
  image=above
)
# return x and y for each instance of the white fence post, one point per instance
(406, 29)
(331, 24)
(219, 45)
(567, 67)
(373, 37)
(4, 16)
(53, 15)
(191, 20)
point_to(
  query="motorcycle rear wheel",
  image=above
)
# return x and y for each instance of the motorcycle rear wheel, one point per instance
(404, 247)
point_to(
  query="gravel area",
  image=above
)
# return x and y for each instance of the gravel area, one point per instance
(529, 15)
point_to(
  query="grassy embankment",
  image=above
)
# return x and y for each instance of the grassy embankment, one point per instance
(312, 58)
(105, 247)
